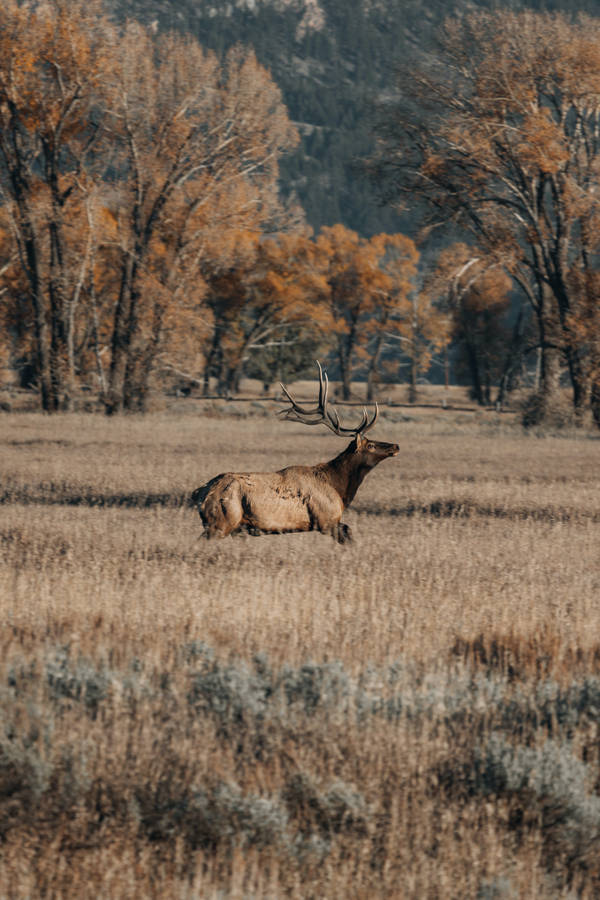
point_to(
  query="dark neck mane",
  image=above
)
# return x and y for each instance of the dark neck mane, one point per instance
(346, 472)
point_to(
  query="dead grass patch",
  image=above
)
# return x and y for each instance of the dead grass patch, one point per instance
(415, 715)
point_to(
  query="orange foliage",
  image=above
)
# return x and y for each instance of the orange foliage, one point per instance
(140, 182)
(256, 294)
(373, 298)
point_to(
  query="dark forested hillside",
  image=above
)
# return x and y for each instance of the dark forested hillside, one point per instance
(331, 59)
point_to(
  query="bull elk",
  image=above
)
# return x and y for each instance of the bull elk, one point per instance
(297, 498)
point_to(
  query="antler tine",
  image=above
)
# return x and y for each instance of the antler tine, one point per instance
(364, 420)
(298, 413)
(362, 428)
(336, 425)
(323, 387)
(368, 425)
(324, 415)
(296, 408)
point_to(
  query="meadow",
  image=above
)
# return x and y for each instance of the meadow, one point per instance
(413, 715)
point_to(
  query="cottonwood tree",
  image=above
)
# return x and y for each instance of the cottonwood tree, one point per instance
(52, 56)
(285, 293)
(475, 293)
(372, 304)
(200, 147)
(172, 145)
(353, 278)
(500, 137)
(260, 293)
(400, 314)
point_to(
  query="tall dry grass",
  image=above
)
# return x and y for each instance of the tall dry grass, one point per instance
(413, 715)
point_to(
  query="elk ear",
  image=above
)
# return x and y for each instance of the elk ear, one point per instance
(360, 441)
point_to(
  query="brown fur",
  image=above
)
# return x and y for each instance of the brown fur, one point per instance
(298, 498)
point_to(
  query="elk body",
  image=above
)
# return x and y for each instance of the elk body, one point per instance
(297, 498)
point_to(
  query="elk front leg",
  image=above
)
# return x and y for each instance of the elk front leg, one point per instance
(342, 533)
(325, 517)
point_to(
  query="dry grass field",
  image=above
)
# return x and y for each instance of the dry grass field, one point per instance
(414, 715)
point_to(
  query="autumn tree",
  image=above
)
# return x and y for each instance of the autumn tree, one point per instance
(373, 305)
(200, 143)
(263, 293)
(51, 59)
(475, 293)
(499, 137)
(353, 279)
(123, 157)
(285, 294)
(401, 315)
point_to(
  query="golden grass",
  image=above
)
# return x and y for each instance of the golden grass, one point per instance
(282, 716)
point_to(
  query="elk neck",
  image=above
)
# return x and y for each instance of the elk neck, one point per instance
(346, 472)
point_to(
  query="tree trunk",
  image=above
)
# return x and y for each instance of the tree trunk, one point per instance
(473, 364)
(133, 379)
(96, 342)
(595, 402)
(548, 373)
(346, 344)
(214, 358)
(42, 356)
(235, 378)
(121, 339)
(510, 361)
(134, 397)
(206, 379)
(346, 378)
(580, 382)
(549, 376)
(222, 380)
(412, 383)
(372, 372)
(141, 364)
(345, 361)
(487, 383)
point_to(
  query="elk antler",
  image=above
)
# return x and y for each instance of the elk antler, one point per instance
(322, 414)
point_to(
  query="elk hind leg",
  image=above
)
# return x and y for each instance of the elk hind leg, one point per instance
(221, 512)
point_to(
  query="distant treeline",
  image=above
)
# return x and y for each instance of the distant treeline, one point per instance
(331, 78)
